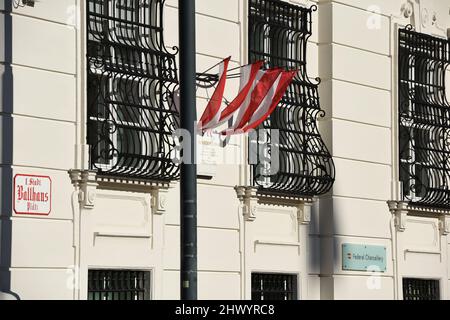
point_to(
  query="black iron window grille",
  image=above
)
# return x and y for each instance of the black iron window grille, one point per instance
(420, 289)
(424, 118)
(118, 285)
(131, 78)
(278, 33)
(266, 286)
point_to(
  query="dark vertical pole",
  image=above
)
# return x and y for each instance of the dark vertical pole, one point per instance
(188, 193)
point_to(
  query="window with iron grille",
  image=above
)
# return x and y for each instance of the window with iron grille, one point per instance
(267, 286)
(131, 78)
(278, 33)
(420, 289)
(424, 114)
(118, 285)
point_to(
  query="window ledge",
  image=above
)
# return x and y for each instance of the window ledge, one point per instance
(88, 182)
(129, 184)
(402, 210)
(251, 198)
(277, 243)
(423, 251)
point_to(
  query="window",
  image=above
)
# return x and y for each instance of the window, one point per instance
(131, 77)
(266, 286)
(118, 285)
(278, 33)
(424, 113)
(419, 289)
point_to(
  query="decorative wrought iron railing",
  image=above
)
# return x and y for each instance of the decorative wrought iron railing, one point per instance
(424, 118)
(131, 78)
(278, 33)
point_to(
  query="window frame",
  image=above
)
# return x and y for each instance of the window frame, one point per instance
(154, 67)
(148, 291)
(304, 164)
(117, 97)
(438, 288)
(271, 50)
(416, 143)
(295, 280)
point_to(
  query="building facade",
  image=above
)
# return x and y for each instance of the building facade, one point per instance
(359, 207)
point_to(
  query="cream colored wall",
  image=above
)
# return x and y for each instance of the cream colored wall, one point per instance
(356, 212)
(123, 230)
(230, 251)
(357, 50)
(219, 35)
(43, 63)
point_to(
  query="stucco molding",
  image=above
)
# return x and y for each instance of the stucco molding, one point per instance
(304, 213)
(402, 210)
(444, 225)
(252, 199)
(88, 182)
(423, 15)
(249, 200)
(407, 9)
(159, 200)
(127, 184)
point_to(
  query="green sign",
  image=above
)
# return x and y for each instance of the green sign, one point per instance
(356, 257)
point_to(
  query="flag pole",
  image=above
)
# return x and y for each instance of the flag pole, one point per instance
(188, 183)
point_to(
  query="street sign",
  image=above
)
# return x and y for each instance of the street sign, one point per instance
(32, 194)
(359, 257)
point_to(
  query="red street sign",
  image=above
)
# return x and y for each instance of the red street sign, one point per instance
(32, 194)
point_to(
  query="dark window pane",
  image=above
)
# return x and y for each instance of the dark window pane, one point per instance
(404, 145)
(420, 289)
(421, 145)
(118, 285)
(267, 286)
(421, 181)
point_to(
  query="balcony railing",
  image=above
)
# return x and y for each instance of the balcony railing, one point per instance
(278, 33)
(131, 78)
(424, 118)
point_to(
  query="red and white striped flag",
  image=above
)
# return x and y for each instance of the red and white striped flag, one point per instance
(270, 102)
(248, 75)
(259, 94)
(214, 106)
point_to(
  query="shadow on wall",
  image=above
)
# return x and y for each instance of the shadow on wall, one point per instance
(6, 137)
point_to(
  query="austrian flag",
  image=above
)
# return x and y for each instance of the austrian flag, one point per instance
(259, 94)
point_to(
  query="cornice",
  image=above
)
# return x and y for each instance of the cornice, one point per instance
(402, 210)
(252, 199)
